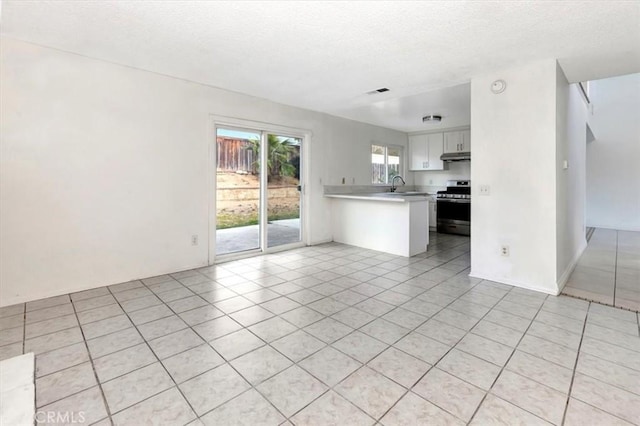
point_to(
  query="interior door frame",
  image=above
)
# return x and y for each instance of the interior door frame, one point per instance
(217, 121)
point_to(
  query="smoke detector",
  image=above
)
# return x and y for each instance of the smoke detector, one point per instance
(432, 118)
(498, 86)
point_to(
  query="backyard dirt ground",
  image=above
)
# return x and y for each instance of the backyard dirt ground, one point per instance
(237, 199)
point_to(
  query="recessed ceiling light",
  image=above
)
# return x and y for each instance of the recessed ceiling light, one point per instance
(432, 118)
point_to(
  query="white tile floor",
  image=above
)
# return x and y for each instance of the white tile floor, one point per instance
(325, 335)
(609, 270)
(17, 390)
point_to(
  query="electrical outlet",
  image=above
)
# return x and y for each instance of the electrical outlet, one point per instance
(504, 251)
(485, 189)
(430, 181)
(194, 240)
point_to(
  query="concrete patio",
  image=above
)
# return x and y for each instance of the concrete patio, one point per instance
(242, 238)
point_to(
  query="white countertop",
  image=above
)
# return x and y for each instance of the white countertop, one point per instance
(393, 197)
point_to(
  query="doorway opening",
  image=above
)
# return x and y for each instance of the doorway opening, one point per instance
(257, 208)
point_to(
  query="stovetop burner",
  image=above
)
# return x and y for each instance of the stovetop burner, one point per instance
(445, 194)
(456, 189)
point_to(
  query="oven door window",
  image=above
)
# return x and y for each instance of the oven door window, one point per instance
(454, 210)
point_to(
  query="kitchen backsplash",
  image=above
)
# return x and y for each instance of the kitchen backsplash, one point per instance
(431, 189)
(455, 171)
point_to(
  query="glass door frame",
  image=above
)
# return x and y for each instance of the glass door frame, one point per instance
(263, 129)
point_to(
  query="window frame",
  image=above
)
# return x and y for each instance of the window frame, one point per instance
(386, 147)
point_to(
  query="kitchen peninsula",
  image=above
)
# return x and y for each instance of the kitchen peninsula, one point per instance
(395, 223)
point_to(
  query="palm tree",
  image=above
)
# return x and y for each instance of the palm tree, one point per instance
(278, 156)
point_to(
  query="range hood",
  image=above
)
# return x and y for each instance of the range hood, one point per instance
(456, 156)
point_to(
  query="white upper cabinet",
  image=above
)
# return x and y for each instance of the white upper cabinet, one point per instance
(436, 148)
(425, 152)
(466, 140)
(457, 141)
(418, 152)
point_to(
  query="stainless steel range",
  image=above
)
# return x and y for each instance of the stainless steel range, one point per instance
(454, 208)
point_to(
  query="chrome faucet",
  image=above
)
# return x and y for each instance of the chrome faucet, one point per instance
(393, 182)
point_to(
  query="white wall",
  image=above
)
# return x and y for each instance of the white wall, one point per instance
(349, 150)
(513, 142)
(521, 139)
(571, 137)
(613, 158)
(104, 169)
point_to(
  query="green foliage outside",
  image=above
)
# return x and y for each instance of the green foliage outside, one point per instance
(278, 156)
(224, 221)
(283, 167)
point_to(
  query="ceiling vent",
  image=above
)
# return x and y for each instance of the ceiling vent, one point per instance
(380, 90)
(432, 119)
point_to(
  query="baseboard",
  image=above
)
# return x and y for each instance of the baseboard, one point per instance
(570, 267)
(324, 241)
(67, 290)
(513, 283)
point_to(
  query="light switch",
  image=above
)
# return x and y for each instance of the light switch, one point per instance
(565, 164)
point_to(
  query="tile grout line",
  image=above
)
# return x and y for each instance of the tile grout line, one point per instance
(614, 284)
(24, 339)
(158, 358)
(24, 345)
(332, 388)
(137, 369)
(447, 352)
(226, 362)
(575, 367)
(294, 363)
(326, 345)
(615, 272)
(398, 266)
(504, 366)
(93, 367)
(127, 314)
(251, 385)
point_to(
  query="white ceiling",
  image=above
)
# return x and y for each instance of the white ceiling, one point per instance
(324, 56)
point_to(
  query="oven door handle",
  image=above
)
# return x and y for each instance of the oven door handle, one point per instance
(454, 200)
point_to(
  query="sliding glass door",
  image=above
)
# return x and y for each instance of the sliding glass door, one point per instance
(283, 190)
(237, 191)
(257, 207)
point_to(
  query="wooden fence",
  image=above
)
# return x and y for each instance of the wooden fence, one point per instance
(234, 154)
